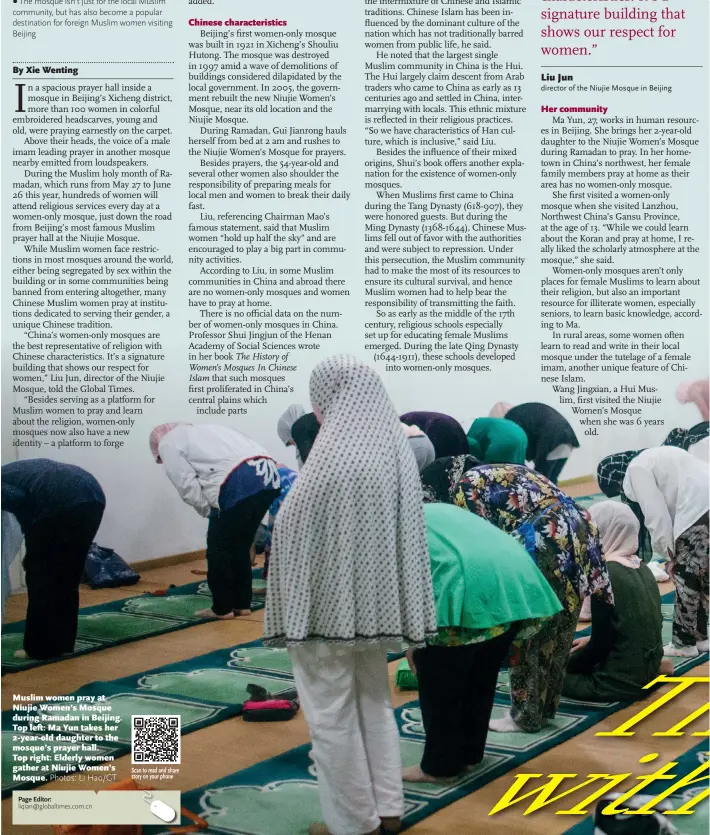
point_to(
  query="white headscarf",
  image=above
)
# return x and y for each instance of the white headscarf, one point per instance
(500, 410)
(350, 562)
(619, 531)
(286, 421)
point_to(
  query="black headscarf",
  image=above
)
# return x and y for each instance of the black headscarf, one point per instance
(445, 432)
(304, 433)
(441, 477)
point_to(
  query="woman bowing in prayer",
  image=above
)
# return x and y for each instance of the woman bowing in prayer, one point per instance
(564, 543)
(440, 479)
(551, 439)
(495, 440)
(298, 428)
(670, 488)
(488, 593)
(421, 446)
(349, 580)
(694, 440)
(288, 479)
(230, 479)
(445, 433)
(59, 508)
(625, 650)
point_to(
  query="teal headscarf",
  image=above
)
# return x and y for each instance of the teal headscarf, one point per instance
(482, 576)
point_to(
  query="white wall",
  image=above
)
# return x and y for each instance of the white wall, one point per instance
(144, 516)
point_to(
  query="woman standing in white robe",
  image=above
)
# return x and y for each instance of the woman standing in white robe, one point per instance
(350, 580)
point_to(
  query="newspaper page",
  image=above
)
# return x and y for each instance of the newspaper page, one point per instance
(500, 207)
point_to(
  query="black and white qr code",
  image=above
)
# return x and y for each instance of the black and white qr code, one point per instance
(155, 740)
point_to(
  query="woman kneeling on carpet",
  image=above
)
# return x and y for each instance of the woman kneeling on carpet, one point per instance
(625, 650)
(229, 478)
(564, 543)
(349, 579)
(488, 593)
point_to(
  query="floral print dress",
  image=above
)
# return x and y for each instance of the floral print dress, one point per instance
(558, 534)
(564, 542)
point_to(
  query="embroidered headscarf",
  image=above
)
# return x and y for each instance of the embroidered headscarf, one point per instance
(349, 562)
(611, 471)
(157, 435)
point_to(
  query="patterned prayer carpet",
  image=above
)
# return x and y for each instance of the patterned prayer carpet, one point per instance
(210, 688)
(697, 823)
(203, 690)
(123, 621)
(136, 618)
(279, 796)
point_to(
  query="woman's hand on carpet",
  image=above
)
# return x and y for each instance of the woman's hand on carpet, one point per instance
(578, 643)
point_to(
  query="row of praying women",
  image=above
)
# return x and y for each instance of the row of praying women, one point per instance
(365, 556)
(374, 545)
(511, 434)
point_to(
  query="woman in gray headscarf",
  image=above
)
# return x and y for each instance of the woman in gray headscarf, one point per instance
(350, 579)
(420, 445)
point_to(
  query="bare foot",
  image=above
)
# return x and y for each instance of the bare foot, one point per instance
(242, 613)
(208, 613)
(667, 667)
(414, 774)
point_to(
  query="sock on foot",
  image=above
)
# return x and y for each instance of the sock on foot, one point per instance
(505, 725)
(671, 650)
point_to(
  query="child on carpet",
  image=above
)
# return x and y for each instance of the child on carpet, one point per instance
(551, 439)
(229, 478)
(496, 440)
(564, 543)
(488, 592)
(445, 432)
(670, 488)
(625, 650)
(349, 579)
(59, 508)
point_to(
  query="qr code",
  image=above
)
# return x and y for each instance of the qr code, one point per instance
(155, 740)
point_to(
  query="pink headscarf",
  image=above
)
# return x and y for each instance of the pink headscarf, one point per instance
(500, 410)
(157, 435)
(413, 431)
(698, 393)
